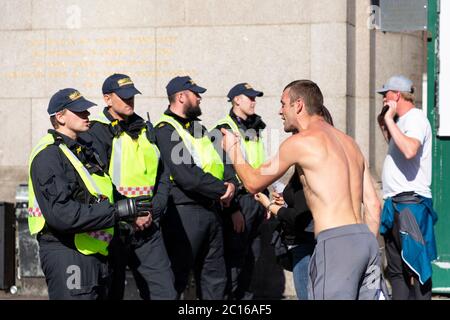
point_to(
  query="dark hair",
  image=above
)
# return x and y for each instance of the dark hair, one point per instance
(309, 92)
(172, 98)
(325, 113)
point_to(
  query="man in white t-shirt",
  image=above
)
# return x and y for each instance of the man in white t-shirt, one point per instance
(408, 217)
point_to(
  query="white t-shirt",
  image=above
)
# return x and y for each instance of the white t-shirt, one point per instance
(401, 175)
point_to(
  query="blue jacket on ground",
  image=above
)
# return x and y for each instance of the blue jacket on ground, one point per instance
(416, 225)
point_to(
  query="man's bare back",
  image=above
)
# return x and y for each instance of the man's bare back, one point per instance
(332, 175)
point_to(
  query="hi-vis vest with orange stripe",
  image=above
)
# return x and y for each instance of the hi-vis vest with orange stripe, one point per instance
(253, 150)
(202, 150)
(98, 186)
(133, 166)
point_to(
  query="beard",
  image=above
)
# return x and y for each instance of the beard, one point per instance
(192, 111)
(290, 129)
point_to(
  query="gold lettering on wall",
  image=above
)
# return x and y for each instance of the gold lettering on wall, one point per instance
(93, 57)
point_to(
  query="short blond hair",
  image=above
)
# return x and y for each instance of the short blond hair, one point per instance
(409, 96)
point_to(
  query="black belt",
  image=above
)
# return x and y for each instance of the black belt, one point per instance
(407, 197)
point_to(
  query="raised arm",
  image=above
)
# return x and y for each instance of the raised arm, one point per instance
(256, 180)
(408, 145)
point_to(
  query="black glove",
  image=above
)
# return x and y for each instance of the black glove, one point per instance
(131, 208)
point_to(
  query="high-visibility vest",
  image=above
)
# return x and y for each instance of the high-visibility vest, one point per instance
(133, 165)
(253, 150)
(201, 149)
(98, 186)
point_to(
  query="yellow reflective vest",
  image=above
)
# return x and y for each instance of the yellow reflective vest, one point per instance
(201, 149)
(253, 150)
(133, 165)
(98, 186)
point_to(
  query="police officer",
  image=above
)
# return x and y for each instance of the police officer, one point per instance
(127, 145)
(192, 227)
(242, 245)
(70, 206)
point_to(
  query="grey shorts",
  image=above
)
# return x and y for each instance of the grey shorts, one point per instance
(345, 264)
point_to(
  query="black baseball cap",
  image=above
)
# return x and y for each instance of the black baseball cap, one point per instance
(245, 89)
(178, 84)
(70, 99)
(120, 84)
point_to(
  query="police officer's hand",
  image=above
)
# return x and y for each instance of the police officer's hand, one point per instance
(143, 222)
(133, 207)
(228, 195)
(238, 222)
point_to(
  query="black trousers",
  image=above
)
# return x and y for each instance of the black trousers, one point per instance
(405, 283)
(145, 254)
(71, 275)
(242, 250)
(194, 241)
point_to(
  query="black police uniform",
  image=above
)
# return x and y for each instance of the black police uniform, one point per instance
(68, 209)
(143, 251)
(242, 250)
(192, 226)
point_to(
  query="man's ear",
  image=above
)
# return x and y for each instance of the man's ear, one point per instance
(60, 118)
(107, 99)
(237, 100)
(299, 105)
(180, 97)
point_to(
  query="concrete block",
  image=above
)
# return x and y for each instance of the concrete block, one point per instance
(15, 144)
(329, 57)
(250, 12)
(338, 109)
(10, 13)
(83, 59)
(10, 178)
(388, 57)
(328, 11)
(362, 14)
(86, 14)
(352, 12)
(23, 66)
(361, 75)
(352, 63)
(40, 121)
(235, 54)
(414, 60)
(362, 125)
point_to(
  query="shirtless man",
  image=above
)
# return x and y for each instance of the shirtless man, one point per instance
(336, 180)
